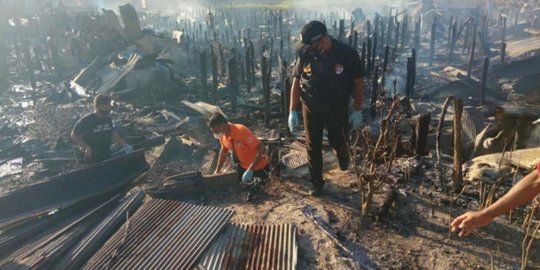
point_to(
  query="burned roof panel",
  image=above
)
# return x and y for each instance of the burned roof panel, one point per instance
(253, 247)
(163, 234)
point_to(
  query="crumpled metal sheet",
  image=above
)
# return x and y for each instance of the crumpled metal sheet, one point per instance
(253, 247)
(162, 234)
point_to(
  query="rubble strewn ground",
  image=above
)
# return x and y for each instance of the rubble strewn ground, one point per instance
(167, 71)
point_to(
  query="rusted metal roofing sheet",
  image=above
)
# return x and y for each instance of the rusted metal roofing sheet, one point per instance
(253, 247)
(162, 234)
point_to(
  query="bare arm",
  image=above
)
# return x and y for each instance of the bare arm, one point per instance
(78, 140)
(117, 139)
(358, 93)
(295, 94)
(523, 192)
(260, 153)
(223, 155)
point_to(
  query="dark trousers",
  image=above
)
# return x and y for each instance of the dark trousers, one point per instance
(262, 173)
(335, 119)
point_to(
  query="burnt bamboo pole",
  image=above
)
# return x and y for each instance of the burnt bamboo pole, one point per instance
(457, 171)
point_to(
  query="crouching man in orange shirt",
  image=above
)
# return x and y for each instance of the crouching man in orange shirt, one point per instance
(238, 142)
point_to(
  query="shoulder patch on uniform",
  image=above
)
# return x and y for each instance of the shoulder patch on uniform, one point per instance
(307, 69)
(338, 68)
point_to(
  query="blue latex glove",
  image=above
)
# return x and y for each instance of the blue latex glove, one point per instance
(247, 177)
(128, 149)
(294, 121)
(355, 119)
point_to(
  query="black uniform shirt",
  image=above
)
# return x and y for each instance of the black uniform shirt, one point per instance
(97, 133)
(329, 77)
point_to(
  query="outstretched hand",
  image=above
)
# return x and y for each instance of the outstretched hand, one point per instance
(469, 222)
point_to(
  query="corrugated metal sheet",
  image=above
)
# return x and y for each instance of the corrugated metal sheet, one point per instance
(162, 235)
(253, 247)
(78, 255)
(54, 242)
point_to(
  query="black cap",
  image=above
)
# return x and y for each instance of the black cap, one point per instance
(310, 33)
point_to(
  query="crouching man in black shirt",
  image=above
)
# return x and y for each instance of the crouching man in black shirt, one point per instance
(95, 132)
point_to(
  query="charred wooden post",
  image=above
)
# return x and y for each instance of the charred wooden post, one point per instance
(409, 84)
(204, 75)
(516, 21)
(29, 68)
(484, 80)
(432, 41)
(341, 30)
(286, 92)
(281, 46)
(391, 197)
(422, 130)
(385, 65)
(233, 80)
(471, 55)
(453, 40)
(405, 32)
(363, 56)
(247, 63)
(417, 34)
(485, 23)
(390, 29)
(368, 56)
(382, 35)
(355, 42)
(242, 69)
(351, 35)
(290, 54)
(374, 51)
(376, 24)
(55, 57)
(265, 72)
(503, 34)
(503, 52)
(368, 27)
(396, 39)
(374, 93)
(270, 54)
(457, 171)
(252, 63)
(449, 34)
(414, 59)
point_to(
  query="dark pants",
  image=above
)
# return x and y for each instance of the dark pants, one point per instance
(316, 118)
(262, 173)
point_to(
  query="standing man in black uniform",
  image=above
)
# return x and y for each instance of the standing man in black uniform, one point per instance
(95, 132)
(327, 73)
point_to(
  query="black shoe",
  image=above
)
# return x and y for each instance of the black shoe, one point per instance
(316, 191)
(344, 165)
(343, 160)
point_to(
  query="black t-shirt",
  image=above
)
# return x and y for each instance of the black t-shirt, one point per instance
(97, 133)
(329, 77)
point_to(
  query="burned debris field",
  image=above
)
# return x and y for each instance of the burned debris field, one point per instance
(154, 134)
